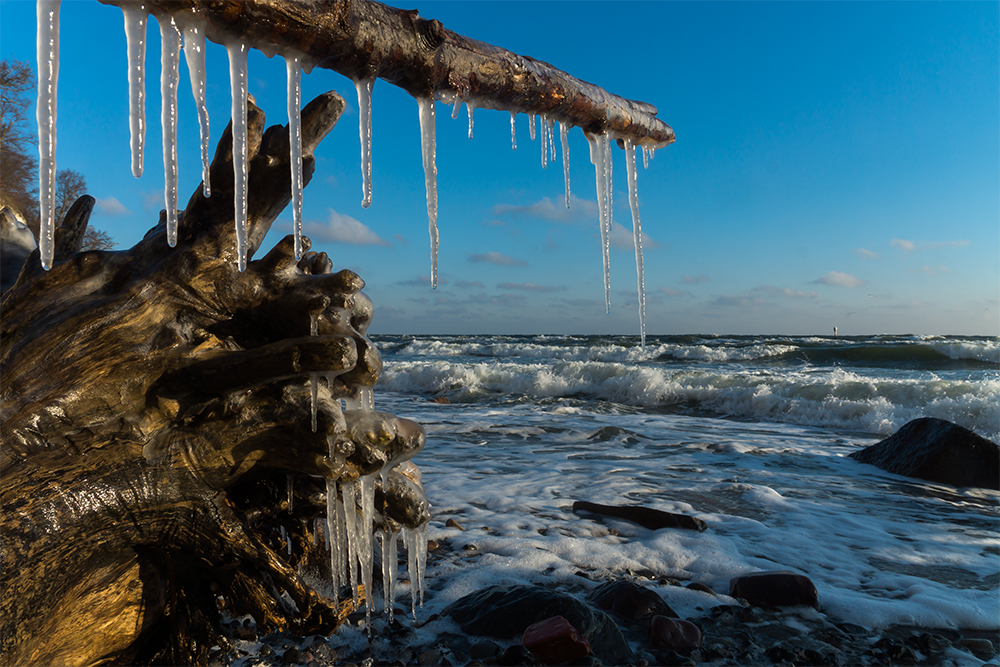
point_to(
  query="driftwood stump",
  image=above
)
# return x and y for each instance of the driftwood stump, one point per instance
(155, 402)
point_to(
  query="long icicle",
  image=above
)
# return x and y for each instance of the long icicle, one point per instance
(531, 126)
(293, 72)
(513, 132)
(545, 142)
(428, 150)
(194, 54)
(633, 201)
(598, 148)
(135, 37)
(609, 220)
(238, 89)
(47, 52)
(564, 139)
(170, 55)
(552, 141)
(365, 87)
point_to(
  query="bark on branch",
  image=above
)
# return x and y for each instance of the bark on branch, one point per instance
(362, 39)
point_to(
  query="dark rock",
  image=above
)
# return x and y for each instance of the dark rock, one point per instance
(673, 633)
(695, 586)
(516, 655)
(644, 516)
(980, 647)
(937, 451)
(506, 611)
(554, 641)
(429, 657)
(774, 589)
(483, 650)
(673, 659)
(629, 600)
(292, 656)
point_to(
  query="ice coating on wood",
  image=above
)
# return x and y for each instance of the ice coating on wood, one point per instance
(293, 103)
(599, 150)
(238, 90)
(365, 87)
(633, 202)
(564, 140)
(194, 54)
(47, 51)
(428, 150)
(170, 56)
(513, 132)
(135, 37)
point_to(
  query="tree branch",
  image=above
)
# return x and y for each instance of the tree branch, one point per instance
(362, 39)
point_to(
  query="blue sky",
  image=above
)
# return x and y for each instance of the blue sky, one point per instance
(836, 164)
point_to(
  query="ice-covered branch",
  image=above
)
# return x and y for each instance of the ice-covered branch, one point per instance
(362, 39)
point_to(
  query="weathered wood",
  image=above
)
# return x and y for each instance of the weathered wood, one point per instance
(155, 401)
(363, 39)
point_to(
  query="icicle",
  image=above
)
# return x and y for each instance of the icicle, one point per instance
(366, 396)
(415, 542)
(365, 87)
(552, 140)
(47, 52)
(633, 201)
(564, 139)
(531, 126)
(170, 56)
(652, 152)
(135, 36)
(334, 532)
(545, 141)
(194, 54)
(313, 377)
(645, 157)
(469, 107)
(455, 107)
(599, 148)
(389, 558)
(428, 149)
(366, 491)
(238, 89)
(350, 493)
(513, 132)
(290, 489)
(293, 104)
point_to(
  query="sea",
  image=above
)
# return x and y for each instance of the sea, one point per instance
(751, 434)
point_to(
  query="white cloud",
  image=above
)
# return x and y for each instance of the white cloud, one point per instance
(110, 207)
(623, 238)
(865, 253)
(553, 211)
(738, 301)
(784, 291)
(838, 279)
(903, 244)
(341, 228)
(497, 258)
(672, 292)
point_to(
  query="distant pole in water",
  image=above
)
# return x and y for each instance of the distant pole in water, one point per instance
(835, 332)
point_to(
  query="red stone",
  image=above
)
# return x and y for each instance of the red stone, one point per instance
(554, 641)
(673, 633)
(775, 589)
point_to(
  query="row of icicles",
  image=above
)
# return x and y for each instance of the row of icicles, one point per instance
(192, 34)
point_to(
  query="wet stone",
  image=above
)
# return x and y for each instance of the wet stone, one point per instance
(775, 589)
(630, 600)
(481, 650)
(674, 633)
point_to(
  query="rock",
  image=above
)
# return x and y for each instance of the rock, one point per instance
(695, 586)
(507, 611)
(451, 523)
(629, 600)
(775, 589)
(484, 650)
(516, 655)
(554, 641)
(644, 516)
(441, 400)
(937, 451)
(673, 633)
(428, 657)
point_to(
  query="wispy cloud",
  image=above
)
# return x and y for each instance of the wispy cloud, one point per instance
(552, 211)
(530, 287)
(938, 270)
(865, 253)
(673, 292)
(903, 244)
(623, 238)
(694, 280)
(110, 207)
(421, 281)
(341, 228)
(785, 292)
(838, 279)
(738, 301)
(497, 258)
(910, 246)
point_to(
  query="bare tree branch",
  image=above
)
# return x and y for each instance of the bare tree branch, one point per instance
(362, 39)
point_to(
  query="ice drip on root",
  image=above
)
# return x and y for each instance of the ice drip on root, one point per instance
(186, 475)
